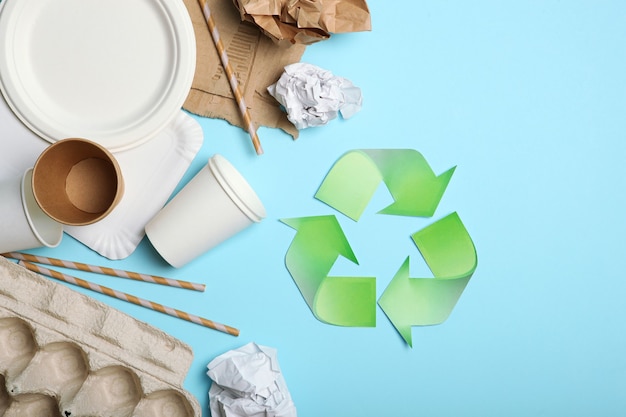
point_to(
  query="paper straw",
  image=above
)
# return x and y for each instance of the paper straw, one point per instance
(234, 84)
(129, 298)
(106, 271)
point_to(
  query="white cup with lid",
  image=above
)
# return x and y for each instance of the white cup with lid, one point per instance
(23, 225)
(216, 204)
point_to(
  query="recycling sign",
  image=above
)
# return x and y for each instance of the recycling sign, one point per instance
(445, 244)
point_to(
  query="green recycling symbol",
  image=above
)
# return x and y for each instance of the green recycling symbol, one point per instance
(445, 245)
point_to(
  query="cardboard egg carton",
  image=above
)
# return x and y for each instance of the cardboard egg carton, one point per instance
(64, 354)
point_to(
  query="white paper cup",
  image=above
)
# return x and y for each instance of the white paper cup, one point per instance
(216, 204)
(23, 225)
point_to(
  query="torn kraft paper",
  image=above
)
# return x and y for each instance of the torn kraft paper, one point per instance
(256, 60)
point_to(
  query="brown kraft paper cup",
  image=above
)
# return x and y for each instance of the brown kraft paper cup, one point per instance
(77, 181)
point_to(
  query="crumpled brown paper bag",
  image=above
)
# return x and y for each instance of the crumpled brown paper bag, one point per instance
(255, 58)
(305, 21)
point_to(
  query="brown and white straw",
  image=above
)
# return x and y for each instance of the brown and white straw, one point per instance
(106, 271)
(129, 298)
(232, 79)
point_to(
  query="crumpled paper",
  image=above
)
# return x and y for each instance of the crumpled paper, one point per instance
(313, 96)
(248, 382)
(305, 21)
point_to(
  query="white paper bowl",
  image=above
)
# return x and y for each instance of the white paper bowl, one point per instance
(23, 224)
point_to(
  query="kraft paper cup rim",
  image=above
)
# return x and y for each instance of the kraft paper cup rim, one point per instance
(118, 174)
(29, 204)
(237, 188)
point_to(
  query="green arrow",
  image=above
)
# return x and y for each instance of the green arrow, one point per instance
(450, 254)
(344, 301)
(355, 177)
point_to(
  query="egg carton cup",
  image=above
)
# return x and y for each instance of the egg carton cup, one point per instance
(64, 354)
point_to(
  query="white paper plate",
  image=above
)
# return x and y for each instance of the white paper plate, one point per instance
(113, 71)
(151, 173)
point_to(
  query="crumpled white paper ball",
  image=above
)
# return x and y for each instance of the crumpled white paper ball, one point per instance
(313, 96)
(247, 382)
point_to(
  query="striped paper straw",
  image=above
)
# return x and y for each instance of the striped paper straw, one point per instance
(234, 84)
(106, 271)
(130, 298)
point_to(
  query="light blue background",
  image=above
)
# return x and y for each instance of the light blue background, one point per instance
(528, 100)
